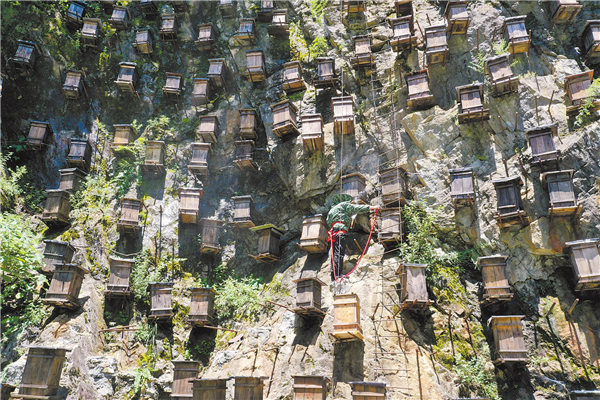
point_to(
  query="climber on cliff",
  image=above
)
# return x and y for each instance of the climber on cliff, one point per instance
(339, 219)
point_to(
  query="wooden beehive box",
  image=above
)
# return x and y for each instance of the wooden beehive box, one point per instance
(143, 41)
(57, 208)
(149, 7)
(180, 6)
(173, 86)
(199, 163)
(312, 131)
(211, 233)
(413, 294)
(217, 73)
(206, 37)
(308, 297)
(314, 234)
(470, 98)
(284, 119)
(279, 25)
(23, 62)
(120, 18)
(248, 388)
(202, 307)
(437, 44)
(576, 87)
(71, 179)
(584, 395)
(353, 6)
(242, 215)
(544, 155)
(75, 14)
(40, 134)
(130, 212)
(508, 339)
(368, 390)
(390, 226)
(510, 204)
(393, 186)
(248, 124)
(118, 282)
(310, 387)
(209, 389)
(265, 11)
(495, 283)
(189, 205)
(462, 190)
(292, 77)
(564, 11)
(255, 65)
(161, 308)
(56, 252)
(80, 154)
(41, 375)
(585, 260)
(403, 8)
(244, 155)
(202, 92)
(208, 128)
(269, 237)
(128, 78)
(501, 75)
(516, 34)
(227, 8)
(590, 35)
(74, 86)
(65, 286)
(354, 185)
(403, 37)
(124, 134)
(457, 17)
(90, 33)
(246, 34)
(168, 28)
(326, 76)
(343, 115)
(419, 94)
(346, 318)
(563, 202)
(155, 157)
(363, 56)
(184, 372)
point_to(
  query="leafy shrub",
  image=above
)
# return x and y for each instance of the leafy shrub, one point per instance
(92, 200)
(127, 169)
(16, 187)
(298, 45)
(318, 47)
(593, 93)
(317, 9)
(239, 298)
(474, 379)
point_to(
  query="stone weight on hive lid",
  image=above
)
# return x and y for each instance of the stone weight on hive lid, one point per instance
(268, 242)
(202, 307)
(41, 375)
(346, 318)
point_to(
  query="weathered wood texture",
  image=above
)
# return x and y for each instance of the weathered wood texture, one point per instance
(457, 17)
(242, 217)
(74, 86)
(209, 389)
(202, 306)
(544, 154)
(393, 186)
(585, 260)
(508, 339)
(413, 286)
(208, 128)
(128, 77)
(268, 242)
(183, 374)
(23, 62)
(246, 34)
(173, 86)
(462, 190)
(160, 301)
(510, 205)
(80, 154)
(57, 208)
(206, 37)
(255, 65)
(279, 23)
(563, 11)
(419, 94)
(155, 157)
(403, 34)
(563, 202)
(515, 34)
(436, 51)
(168, 27)
(189, 205)
(314, 234)
(576, 87)
(120, 18)
(211, 233)
(199, 163)
(326, 73)
(244, 155)
(56, 252)
(470, 98)
(118, 282)
(308, 297)
(41, 375)
(202, 92)
(495, 282)
(143, 41)
(65, 286)
(130, 211)
(90, 33)
(248, 388)
(75, 14)
(389, 231)
(353, 6)
(504, 81)
(343, 115)
(285, 119)
(363, 55)
(292, 77)
(310, 387)
(71, 179)
(403, 8)
(249, 124)
(124, 134)
(40, 134)
(368, 390)
(590, 36)
(346, 318)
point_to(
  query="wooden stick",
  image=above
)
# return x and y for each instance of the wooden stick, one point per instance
(428, 20)
(219, 329)
(516, 120)
(573, 306)
(501, 124)
(116, 329)
(505, 166)
(550, 310)
(549, 104)
(450, 333)
(420, 30)
(360, 248)
(537, 116)
(419, 373)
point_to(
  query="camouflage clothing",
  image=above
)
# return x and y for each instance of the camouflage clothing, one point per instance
(341, 215)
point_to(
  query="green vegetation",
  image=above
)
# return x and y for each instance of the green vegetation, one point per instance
(92, 201)
(475, 379)
(298, 45)
(239, 299)
(17, 189)
(127, 168)
(318, 47)
(585, 115)
(317, 9)
(498, 48)
(19, 261)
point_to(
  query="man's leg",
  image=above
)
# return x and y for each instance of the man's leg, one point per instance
(339, 251)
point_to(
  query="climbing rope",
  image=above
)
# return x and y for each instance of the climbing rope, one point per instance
(332, 239)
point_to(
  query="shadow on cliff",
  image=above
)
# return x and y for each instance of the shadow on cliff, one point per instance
(348, 362)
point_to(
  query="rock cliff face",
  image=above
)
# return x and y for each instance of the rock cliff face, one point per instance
(442, 354)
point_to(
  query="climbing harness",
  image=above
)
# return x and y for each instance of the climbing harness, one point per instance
(331, 238)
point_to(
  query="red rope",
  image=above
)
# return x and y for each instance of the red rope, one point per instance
(361, 256)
